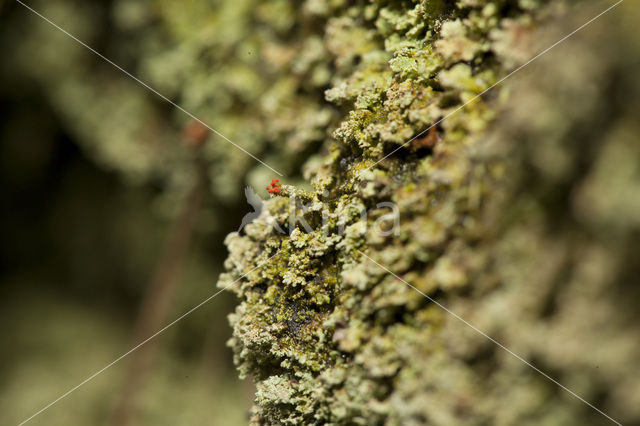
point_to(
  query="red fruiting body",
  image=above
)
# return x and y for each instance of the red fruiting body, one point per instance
(273, 188)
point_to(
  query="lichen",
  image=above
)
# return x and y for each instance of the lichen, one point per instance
(350, 344)
(518, 208)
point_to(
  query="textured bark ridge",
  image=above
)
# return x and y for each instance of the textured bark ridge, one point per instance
(519, 213)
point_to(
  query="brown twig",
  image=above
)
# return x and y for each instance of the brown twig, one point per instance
(160, 293)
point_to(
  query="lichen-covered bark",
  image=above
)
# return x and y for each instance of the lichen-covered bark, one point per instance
(518, 213)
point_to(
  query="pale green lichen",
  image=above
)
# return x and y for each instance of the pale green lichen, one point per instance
(519, 212)
(350, 344)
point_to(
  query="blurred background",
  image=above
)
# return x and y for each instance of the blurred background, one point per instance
(109, 228)
(78, 251)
